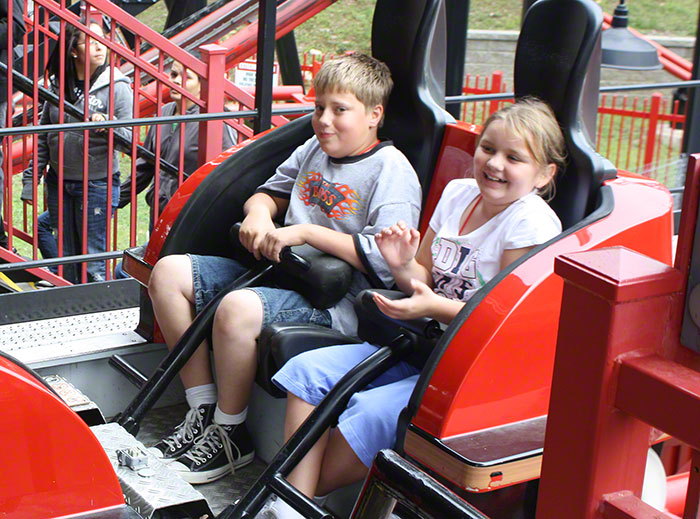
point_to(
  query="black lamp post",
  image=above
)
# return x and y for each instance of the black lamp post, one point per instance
(622, 49)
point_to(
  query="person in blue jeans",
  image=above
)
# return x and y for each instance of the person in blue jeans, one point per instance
(100, 202)
(46, 238)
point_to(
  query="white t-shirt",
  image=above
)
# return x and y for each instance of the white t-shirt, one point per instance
(463, 264)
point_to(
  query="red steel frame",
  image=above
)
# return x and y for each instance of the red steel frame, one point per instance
(637, 375)
(149, 98)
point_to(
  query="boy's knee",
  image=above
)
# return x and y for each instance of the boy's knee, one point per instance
(167, 274)
(240, 311)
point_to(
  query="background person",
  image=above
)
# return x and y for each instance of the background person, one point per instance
(97, 189)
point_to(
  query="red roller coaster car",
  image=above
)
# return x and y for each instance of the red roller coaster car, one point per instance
(487, 381)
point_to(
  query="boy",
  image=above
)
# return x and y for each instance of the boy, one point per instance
(336, 191)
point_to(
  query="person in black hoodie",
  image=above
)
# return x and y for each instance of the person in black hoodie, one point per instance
(17, 33)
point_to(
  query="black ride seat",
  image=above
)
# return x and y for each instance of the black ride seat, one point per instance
(568, 80)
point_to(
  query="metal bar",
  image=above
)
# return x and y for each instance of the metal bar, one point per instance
(620, 88)
(315, 425)
(625, 505)
(290, 68)
(120, 123)
(267, 16)
(191, 20)
(661, 393)
(212, 92)
(692, 499)
(410, 485)
(457, 13)
(299, 501)
(80, 258)
(181, 352)
(691, 131)
(132, 374)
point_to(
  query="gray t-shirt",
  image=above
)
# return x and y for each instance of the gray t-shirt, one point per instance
(358, 195)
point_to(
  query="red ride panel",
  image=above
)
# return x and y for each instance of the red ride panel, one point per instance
(53, 466)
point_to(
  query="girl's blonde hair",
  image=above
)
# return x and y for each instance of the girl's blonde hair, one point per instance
(534, 122)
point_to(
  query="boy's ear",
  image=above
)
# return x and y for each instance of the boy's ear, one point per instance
(376, 115)
(546, 175)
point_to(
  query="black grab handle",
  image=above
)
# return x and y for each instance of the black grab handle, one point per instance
(289, 257)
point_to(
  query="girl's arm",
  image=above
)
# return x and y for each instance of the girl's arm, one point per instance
(510, 255)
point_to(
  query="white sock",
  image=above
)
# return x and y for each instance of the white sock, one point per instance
(229, 419)
(200, 395)
(321, 500)
(285, 511)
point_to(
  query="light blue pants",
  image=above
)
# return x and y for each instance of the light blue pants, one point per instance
(369, 422)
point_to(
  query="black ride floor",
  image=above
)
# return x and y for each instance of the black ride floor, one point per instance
(219, 494)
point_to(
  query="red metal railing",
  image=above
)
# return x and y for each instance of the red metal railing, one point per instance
(151, 86)
(638, 134)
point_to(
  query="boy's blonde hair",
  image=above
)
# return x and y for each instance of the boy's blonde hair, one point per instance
(534, 122)
(365, 77)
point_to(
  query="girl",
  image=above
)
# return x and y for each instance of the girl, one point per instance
(492, 219)
(79, 55)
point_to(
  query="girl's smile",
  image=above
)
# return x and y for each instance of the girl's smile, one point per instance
(504, 168)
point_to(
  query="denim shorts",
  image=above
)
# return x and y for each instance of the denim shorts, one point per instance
(211, 274)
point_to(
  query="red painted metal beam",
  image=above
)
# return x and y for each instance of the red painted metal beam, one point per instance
(592, 448)
(692, 499)
(655, 389)
(625, 505)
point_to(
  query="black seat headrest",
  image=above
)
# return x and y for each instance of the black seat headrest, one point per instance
(558, 60)
(414, 46)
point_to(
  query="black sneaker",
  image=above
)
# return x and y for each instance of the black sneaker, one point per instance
(220, 450)
(185, 434)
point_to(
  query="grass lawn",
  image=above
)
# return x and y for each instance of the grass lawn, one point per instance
(325, 33)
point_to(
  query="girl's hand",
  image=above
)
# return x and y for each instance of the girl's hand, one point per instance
(276, 239)
(398, 244)
(420, 304)
(98, 118)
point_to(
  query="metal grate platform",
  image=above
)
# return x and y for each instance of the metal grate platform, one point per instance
(72, 336)
(219, 494)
